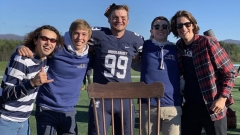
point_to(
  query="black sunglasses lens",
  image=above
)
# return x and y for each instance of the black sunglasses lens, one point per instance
(188, 24)
(164, 26)
(179, 26)
(156, 27)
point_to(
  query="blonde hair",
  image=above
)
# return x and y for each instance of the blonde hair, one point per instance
(80, 24)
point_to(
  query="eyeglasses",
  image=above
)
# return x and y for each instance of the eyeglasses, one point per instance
(157, 26)
(180, 25)
(44, 38)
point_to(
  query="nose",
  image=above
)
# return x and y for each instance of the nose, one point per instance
(48, 42)
(119, 19)
(79, 36)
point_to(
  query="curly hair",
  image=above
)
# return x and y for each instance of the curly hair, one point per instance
(29, 38)
(189, 16)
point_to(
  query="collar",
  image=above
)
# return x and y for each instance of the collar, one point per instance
(37, 59)
(155, 42)
(70, 46)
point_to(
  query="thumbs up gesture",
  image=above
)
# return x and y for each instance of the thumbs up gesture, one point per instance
(40, 78)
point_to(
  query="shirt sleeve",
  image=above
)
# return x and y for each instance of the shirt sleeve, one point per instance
(15, 86)
(222, 62)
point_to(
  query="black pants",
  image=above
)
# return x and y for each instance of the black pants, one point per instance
(195, 117)
(88, 77)
(50, 122)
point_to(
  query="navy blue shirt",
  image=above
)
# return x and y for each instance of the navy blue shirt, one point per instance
(169, 76)
(68, 70)
(113, 57)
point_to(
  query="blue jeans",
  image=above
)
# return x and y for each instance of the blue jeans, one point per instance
(14, 128)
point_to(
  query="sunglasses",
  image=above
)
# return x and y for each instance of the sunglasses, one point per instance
(44, 38)
(157, 26)
(180, 25)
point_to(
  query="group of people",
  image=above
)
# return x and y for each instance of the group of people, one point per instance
(52, 69)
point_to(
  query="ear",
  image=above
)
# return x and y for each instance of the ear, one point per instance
(151, 31)
(127, 20)
(35, 41)
(169, 31)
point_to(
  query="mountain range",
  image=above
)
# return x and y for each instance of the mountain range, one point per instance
(232, 41)
(17, 37)
(11, 36)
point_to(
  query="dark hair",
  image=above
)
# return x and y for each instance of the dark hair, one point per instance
(29, 38)
(107, 12)
(189, 16)
(159, 18)
(118, 7)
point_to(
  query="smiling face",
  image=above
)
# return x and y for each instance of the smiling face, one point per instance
(186, 32)
(79, 39)
(118, 20)
(160, 30)
(45, 43)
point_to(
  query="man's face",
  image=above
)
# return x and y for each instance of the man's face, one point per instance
(186, 29)
(79, 39)
(160, 30)
(118, 20)
(45, 43)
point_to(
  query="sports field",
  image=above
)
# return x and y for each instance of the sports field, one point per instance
(82, 108)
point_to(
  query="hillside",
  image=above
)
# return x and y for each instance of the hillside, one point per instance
(11, 36)
(232, 41)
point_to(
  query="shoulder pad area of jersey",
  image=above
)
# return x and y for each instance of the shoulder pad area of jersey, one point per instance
(96, 28)
(138, 35)
(90, 41)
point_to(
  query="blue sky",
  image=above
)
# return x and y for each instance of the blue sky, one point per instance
(22, 16)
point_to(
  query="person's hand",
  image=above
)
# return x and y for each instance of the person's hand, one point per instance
(90, 41)
(136, 58)
(218, 105)
(25, 51)
(40, 78)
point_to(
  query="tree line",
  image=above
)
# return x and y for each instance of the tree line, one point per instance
(7, 47)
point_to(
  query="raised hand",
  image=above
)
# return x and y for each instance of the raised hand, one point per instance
(40, 78)
(25, 51)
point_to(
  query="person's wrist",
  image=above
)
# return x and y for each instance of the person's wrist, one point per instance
(223, 97)
(31, 82)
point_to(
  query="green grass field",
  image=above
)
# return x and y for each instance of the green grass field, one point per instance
(82, 115)
(82, 108)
